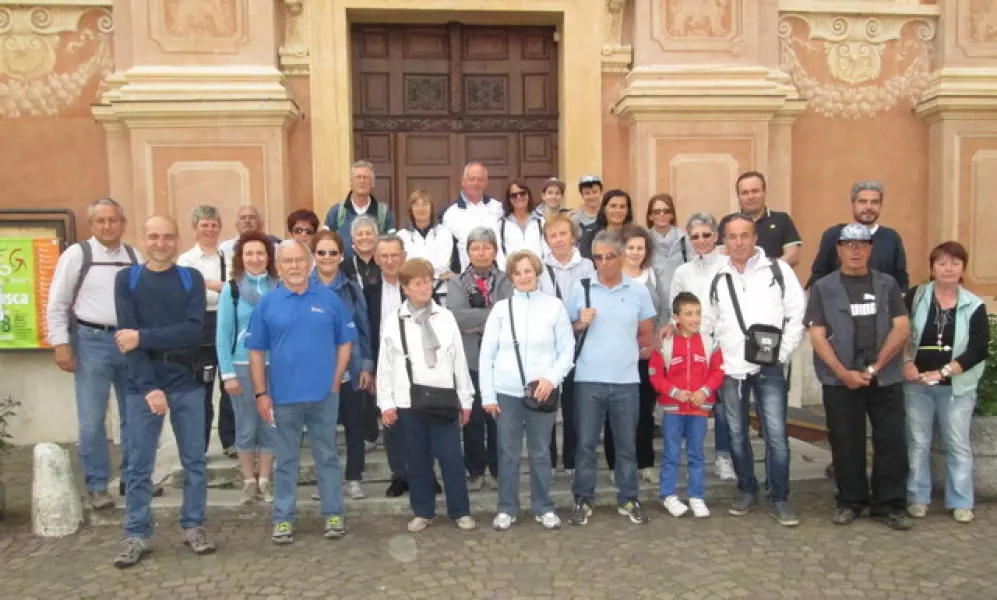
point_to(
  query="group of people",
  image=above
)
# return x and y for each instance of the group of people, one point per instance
(457, 336)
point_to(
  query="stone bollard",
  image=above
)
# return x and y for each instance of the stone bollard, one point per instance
(56, 510)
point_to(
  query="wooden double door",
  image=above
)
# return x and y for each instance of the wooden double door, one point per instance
(429, 99)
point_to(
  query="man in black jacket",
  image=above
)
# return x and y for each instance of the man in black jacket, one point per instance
(887, 246)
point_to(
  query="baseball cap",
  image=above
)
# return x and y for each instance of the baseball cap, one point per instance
(590, 180)
(552, 181)
(854, 232)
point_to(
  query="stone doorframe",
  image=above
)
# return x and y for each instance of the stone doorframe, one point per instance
(580, 76)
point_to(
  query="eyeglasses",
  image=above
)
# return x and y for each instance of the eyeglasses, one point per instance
(853, 245)
(661, 211)
(303, 231)
(294, 260)
(605, 257)
(519, 194)
(327, 253)
(701, 236)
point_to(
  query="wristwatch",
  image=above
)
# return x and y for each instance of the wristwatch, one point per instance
(871, 370)
(946, 371)
(259, 394)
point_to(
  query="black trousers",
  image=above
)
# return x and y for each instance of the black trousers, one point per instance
(480, 438)
(645, 425)
(569, 425)
(369, 414)
(846, 423)
(351, 415)
(226, 418)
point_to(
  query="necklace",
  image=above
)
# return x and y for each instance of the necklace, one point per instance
(942, 319)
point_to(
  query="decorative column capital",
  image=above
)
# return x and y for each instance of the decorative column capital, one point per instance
(295, 51)
(968, 93)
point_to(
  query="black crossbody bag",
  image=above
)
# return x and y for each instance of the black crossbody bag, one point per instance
(439, 403)
(548, 406)
(761, 341)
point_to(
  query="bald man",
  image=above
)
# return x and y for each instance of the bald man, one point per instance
(160, 309)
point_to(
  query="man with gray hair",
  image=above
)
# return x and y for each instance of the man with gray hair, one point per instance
(472, 208)
(206, 257)
(306, 332)
(362, 267)
(81, 324)
(888, 254)
(247, 219)
(615, 321)
(470, 297)
(359, 202)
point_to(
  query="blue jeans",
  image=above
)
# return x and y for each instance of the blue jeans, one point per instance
(512, 420)
(428, 438)
(320, 420)
(955, 413)
(99, 365)
(769, 386)
(186, 411)
(252, 434)
(692, 429)
(593, 401)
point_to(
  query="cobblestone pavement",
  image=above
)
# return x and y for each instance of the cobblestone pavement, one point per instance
(720, 557)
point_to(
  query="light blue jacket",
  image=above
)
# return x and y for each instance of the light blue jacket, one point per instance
(966, 305)
(361, 358)
(546, 345)
(225, 330)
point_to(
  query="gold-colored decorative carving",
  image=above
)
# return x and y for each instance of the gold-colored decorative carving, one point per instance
(294, 51)
(855, 48)
(31, 40)
(199, 26)
(616, 56)
(983, 18)
(699, 18)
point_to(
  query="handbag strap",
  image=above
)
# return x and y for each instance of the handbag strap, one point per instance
(408, 361)
(515, 345)
(737, 305)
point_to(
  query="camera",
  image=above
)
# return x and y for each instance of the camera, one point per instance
(476, 300)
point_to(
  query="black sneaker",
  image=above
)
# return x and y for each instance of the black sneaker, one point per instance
(898, 520)
(396, 489)
(782, 513)
(843, 516)
(633, 511)
(581, 513)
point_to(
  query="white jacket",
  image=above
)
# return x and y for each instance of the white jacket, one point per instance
(761, 301)
(437, 247)
(463, 216)
(695, 277)
(511, 237)
(546, 345)
(451, 364)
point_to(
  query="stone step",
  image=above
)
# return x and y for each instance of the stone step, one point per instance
(806, 471)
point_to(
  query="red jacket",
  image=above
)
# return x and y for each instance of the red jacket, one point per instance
(689, 370)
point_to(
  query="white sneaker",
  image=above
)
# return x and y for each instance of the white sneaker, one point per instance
(674, 506)
(724, 468)
(466, 523)
(698, 507)
(418, 524)
(250, 492)
(549, 521)
(354, 490)
(503, 522)
(963, 515)
(650, 475)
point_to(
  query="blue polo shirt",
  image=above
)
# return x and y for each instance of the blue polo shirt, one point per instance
(610, 352)
(303, 333)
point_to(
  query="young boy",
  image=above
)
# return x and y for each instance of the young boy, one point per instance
(590, 188)
(686, 374)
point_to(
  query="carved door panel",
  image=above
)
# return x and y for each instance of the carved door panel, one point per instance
(428, 99)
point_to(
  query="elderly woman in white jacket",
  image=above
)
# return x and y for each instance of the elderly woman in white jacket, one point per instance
(695, 277)
(421, 345)
(536, 327)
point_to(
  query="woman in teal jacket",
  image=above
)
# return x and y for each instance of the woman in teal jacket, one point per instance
(253, 275)
(942, 366)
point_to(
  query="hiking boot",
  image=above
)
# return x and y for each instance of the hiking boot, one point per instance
(354, 490)
(465, 523)
(250, 492)
(699, 509)
(843, 516)
(198, 540)
(723, 466)
(781, 512)
(580, 513)
(503, 522)
(131, 553)
(100, 500)
(283, 533)
(918, 511)
(963, 516)
(549, 521)
(743, 505)
(633, 511)
(897, 520)
(674, 506)
(418, 524)
(475, 483)
(335, 528)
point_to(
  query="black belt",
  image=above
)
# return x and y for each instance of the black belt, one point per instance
(96, 326)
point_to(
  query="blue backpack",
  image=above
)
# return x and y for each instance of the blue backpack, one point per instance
(136, 272)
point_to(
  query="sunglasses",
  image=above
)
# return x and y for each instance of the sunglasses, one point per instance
(303, 231)
(605, 257)
(701, 236)
(326, 252)
(661, 211)
(519, 194)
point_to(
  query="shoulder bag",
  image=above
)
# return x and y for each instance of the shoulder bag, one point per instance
(761, 341)
(439, 403)
(547, 406)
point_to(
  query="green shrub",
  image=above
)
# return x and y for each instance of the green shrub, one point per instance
(986, 391)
